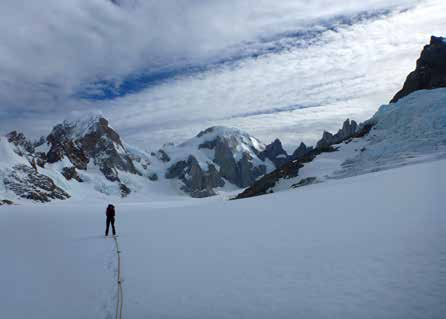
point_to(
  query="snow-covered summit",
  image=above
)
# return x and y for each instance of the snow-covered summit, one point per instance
(217, 156)
(87, 153)
(234, 135)
(82, 126)
(238, 141)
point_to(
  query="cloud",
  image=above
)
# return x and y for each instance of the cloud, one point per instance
(275, 81)
(51, 48)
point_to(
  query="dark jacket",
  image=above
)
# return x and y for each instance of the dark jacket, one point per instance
(110, 211)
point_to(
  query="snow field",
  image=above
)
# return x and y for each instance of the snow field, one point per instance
(370, 246)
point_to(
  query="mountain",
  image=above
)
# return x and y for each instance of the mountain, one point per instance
(430, 72)
(85, 155)
(86, 151)
(221, 155)
(91, 141)
(20, 177)
(411, 128)
(302, 155)
(409, 131)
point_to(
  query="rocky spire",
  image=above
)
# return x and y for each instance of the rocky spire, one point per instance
(430, 72)
(349, 128)
(275, 153)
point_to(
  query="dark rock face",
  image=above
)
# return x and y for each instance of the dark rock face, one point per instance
(349, 128)
(98, 142)
(275, 153)
(225, 159)
(27, 149)
(238, 159)
(22, 143)
(62, 145)
(176, 170)
(41, 158)
(70, 173)
(197, 182)
(27, 183)
(6, 202)
(301, 151)
(430, 71)
(162, 156)
(200, 183)
(125, 191)
(248, 172)
(153, 177)
(264, 184)
(304, 154)
(241, 173)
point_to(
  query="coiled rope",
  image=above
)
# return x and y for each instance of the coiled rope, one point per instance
(120, 296)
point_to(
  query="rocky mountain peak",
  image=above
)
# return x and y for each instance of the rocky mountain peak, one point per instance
(430, 71)
(19, 140)
(349, 128)
(275, 153)
(216, 155)
(234, 139)
(94, 126)
(90, 139)
(301, 151)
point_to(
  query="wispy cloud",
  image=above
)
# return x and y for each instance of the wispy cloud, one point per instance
(254, 66)
(51, 48)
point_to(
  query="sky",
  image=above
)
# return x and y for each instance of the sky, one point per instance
(161, 71)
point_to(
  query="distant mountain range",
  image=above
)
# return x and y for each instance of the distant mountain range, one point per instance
(84, 157)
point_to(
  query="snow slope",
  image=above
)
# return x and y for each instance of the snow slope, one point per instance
(410, 131)
(370, 246)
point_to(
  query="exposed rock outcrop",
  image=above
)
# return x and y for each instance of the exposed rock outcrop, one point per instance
(23, 145)
(275, 153)
(242, 172)
(197, 182)
(25, 182)
(125, 191)
(70, 173)
(200, 183)
(430, 71)
(304, 154)
(41, 158)
(220, 154)
(6, 202)
(153, 177)
(92, 140)
(162, 156)
(349, 128)
(301, 151)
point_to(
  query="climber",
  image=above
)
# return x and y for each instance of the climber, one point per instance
(110, 213)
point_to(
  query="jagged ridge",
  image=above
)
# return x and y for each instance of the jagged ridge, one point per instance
(430, 71)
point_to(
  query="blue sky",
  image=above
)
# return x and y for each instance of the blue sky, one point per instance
(163, 71)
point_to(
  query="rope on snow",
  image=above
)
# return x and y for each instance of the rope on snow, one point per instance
(120, 296)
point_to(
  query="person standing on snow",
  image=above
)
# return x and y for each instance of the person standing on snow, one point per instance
(110, 213)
